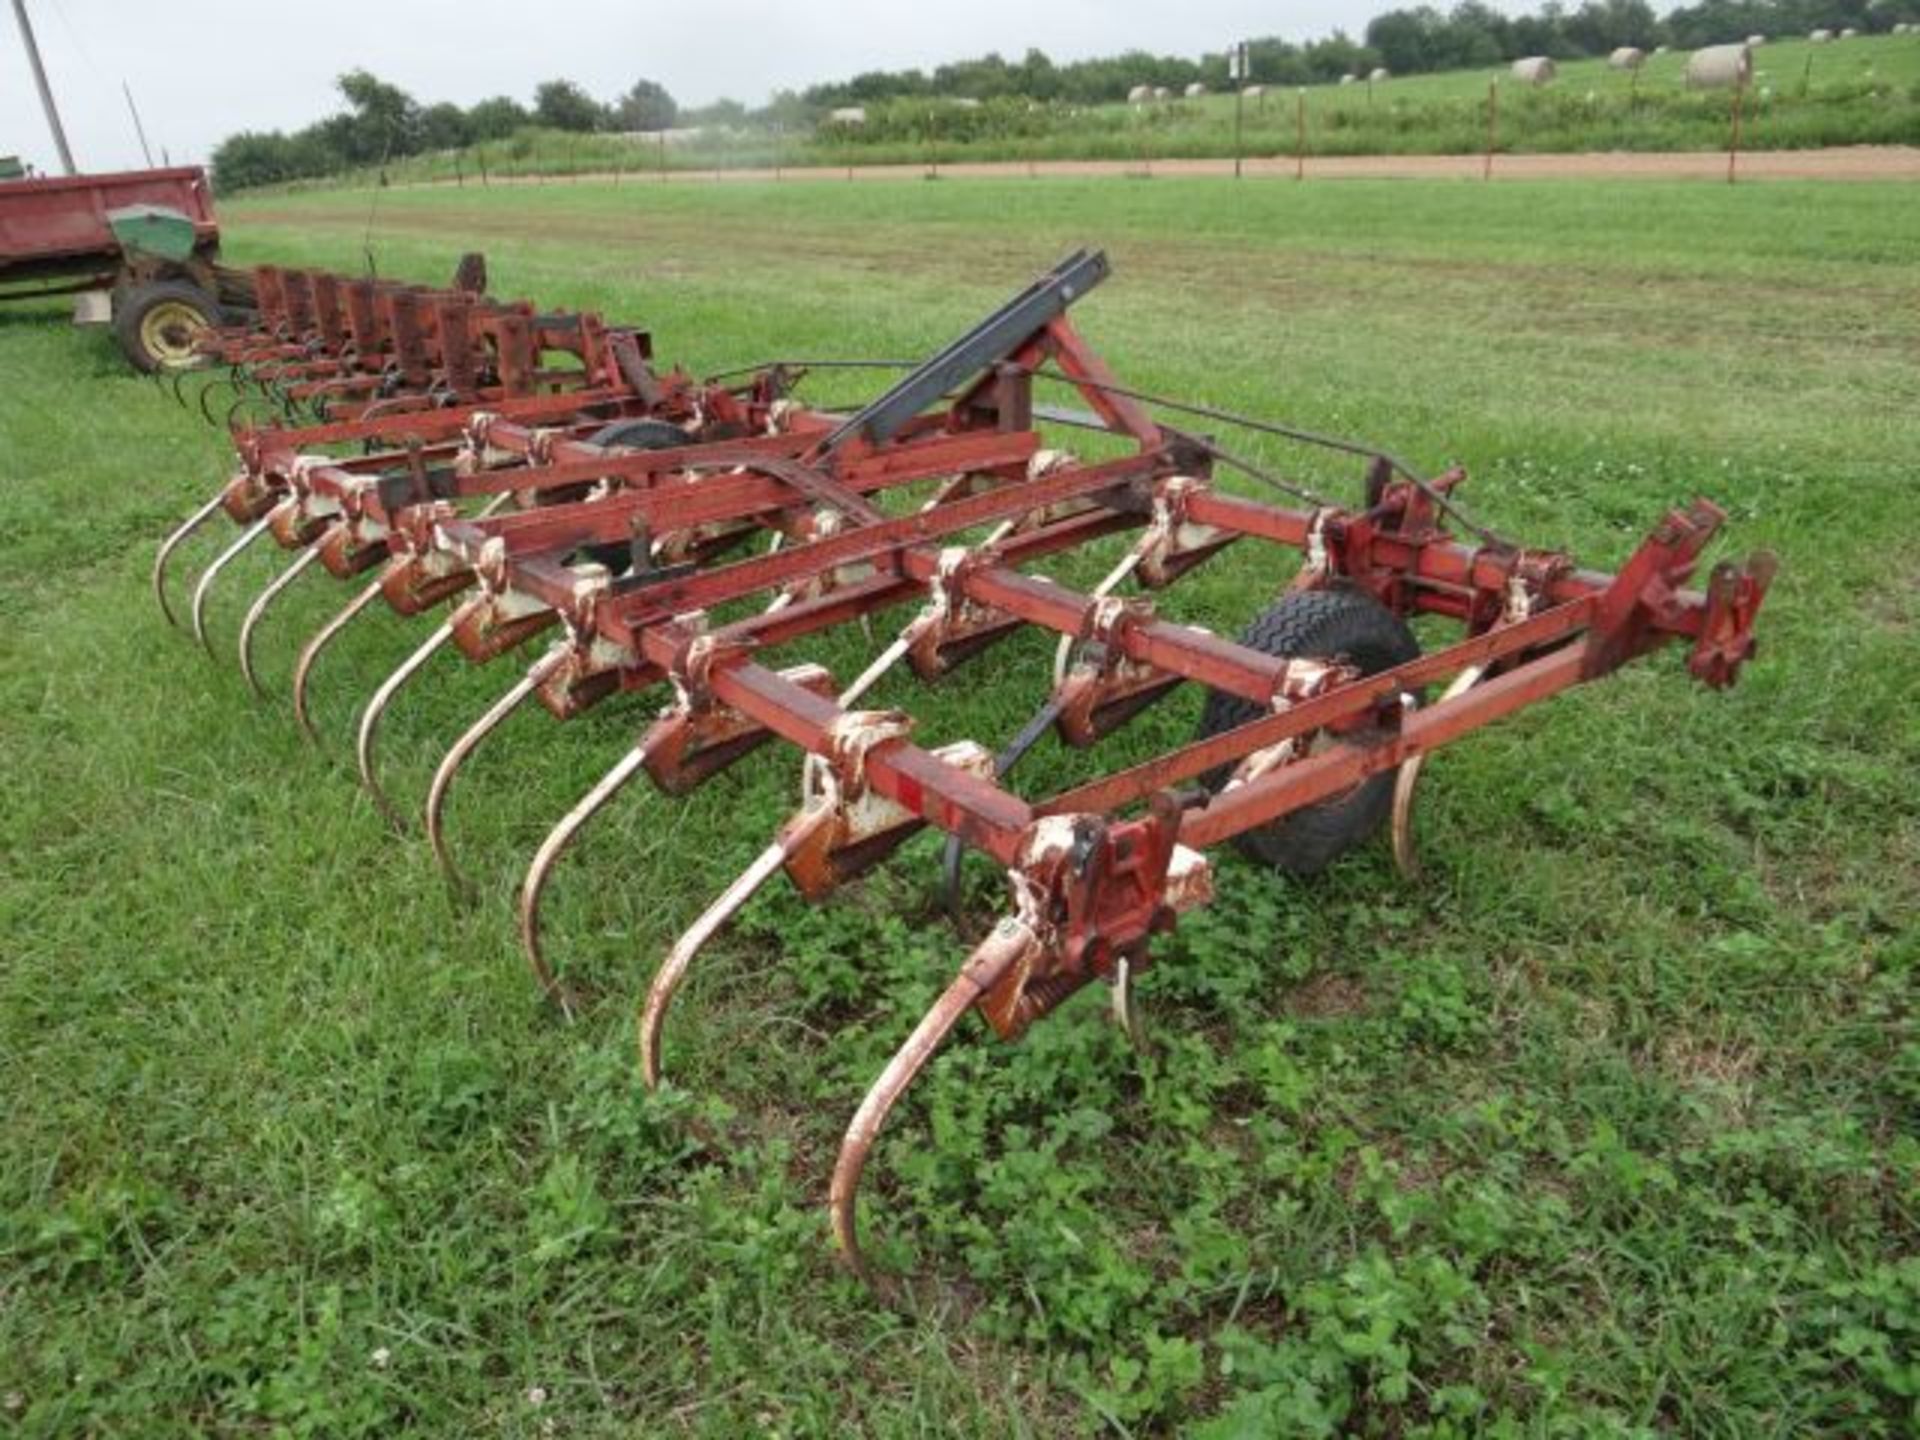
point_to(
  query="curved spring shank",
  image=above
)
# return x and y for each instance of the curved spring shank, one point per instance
(563, 834)
(257, 401)
(463, 749)
(258, 609)
(172, 543)
(377, 707)
(310, 652)
(206, 411)
(673, 969)
(550, 851)
(220, 562)
(1406, 856)
(901, 1071)
(1124, 1014)
(178, 375)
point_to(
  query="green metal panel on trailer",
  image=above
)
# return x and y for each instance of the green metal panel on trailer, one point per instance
(154, 230)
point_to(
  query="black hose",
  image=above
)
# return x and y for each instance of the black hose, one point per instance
(1016, 748)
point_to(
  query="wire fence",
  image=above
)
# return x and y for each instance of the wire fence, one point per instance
(1272, 130)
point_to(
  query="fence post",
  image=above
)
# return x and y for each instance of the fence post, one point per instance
(1239, 118)
(1300, 134)
(1493, 127)
(1733, 139)
(459, 171)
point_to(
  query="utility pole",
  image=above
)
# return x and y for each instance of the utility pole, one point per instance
(40, 79)
(138, 128)
(1237, 77)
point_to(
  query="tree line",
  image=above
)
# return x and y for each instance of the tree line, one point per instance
(382, 122)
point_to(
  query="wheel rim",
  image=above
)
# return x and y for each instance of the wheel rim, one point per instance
(168, 330)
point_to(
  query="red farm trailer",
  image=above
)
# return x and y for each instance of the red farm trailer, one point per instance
(137, 247)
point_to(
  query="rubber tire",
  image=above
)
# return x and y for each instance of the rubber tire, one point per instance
(633, 435)
(131, 307)
(641, 435)
(1345, 625)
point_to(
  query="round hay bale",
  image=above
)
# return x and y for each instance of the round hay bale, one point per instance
(1534, 70)
(849, 115)
(1195, 90)
(1378, 75)
(1661, 49)
(1849, 33)
(1160, 92)
(1627, 57)
(1254, 92)
(1348, 79)
(1754, 42)
(1719, 67)
(1140, 94)
(1819, 37)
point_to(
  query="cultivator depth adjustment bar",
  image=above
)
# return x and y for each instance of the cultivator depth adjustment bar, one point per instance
(615, 509)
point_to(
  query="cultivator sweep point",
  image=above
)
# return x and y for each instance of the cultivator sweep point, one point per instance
(607, 501)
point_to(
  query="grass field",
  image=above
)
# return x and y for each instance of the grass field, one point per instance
(1605, 1126)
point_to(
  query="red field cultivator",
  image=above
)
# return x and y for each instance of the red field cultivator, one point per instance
(610, 507)
(341, 348)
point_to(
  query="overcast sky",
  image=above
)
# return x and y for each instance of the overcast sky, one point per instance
(201, 69)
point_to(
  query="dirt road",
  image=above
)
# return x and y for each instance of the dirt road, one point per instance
(1856, 162)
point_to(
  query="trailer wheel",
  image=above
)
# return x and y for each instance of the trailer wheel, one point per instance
(631, 435)
(1344, 625)
(640, 434)
(157, 324)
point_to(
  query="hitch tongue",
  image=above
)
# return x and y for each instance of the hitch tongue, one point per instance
(1734, 595)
